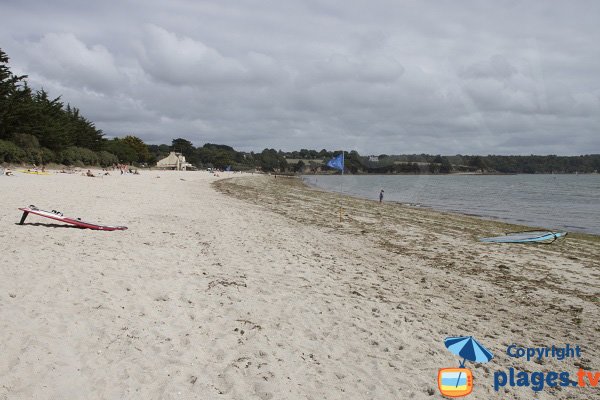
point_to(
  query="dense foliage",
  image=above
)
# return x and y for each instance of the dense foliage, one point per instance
(43, 129)
(543, 164)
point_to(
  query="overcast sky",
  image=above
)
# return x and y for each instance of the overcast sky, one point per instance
(378, 76)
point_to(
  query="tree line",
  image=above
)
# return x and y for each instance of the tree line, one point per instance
(437, 164)
(38, 129)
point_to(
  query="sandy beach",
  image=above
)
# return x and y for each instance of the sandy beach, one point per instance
(251, 288)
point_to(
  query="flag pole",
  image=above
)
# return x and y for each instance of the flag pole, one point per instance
(342, 186)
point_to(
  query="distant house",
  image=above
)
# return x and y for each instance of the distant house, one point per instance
(174, 161)
(374, 158)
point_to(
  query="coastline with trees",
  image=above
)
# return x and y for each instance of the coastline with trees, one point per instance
(37, 129)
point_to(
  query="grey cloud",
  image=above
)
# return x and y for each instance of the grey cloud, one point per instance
(339, 68)
(497, 67)
(389, 76)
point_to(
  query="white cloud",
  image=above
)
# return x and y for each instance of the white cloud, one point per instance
(64, 58)
(181, 60)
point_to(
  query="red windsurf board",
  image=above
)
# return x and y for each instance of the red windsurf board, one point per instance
(73, 221)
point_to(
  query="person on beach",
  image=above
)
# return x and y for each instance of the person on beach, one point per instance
(89, 173)
(381, 196)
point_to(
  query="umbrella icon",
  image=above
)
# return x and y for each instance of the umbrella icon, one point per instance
(469, 349)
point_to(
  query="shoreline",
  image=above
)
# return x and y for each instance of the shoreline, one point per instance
(508, 221)
(475, 220)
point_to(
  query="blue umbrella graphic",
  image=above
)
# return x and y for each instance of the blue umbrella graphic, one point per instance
(469, 349)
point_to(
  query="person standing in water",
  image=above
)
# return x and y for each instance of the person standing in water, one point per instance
(381, 196)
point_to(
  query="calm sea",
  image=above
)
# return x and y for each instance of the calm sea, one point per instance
(570, 202)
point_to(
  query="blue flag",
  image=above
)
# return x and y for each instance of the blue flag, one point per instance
(337, 162)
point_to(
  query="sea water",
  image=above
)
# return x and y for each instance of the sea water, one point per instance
(568, 202)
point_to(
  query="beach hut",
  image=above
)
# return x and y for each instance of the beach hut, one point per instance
(174, 161)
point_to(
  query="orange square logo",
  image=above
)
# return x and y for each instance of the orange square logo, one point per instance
(455, 382)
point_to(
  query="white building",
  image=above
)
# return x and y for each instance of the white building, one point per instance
(175, 161)
(374, 158)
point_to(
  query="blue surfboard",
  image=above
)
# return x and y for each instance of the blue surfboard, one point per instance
(526, 237)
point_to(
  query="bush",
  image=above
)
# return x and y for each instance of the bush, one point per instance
(47, 155)
(40, 156)
(124, 152)
(10, 152)
(79, 156)
(107, 159)
(25, 140)
(33, 156)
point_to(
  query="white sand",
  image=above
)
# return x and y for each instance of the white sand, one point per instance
(210, 297)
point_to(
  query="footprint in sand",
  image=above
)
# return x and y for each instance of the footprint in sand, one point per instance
(260, 389)
(225, 381)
